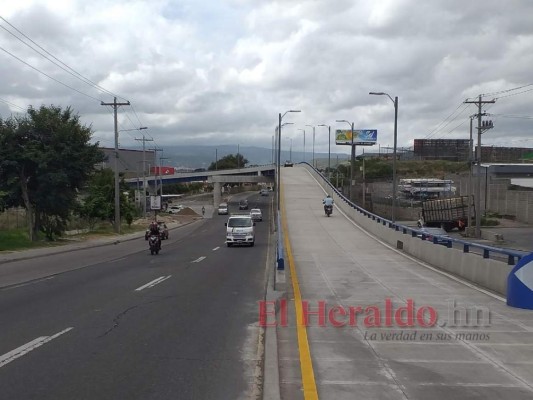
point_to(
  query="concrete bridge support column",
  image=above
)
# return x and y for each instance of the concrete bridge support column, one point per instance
(216, 194)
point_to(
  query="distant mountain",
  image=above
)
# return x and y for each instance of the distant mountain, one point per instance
(203, 156)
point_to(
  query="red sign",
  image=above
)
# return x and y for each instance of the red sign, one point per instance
(162, 170)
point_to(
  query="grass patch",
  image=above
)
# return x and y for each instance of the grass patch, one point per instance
(489, 222)
(17, 239)
(14, 240)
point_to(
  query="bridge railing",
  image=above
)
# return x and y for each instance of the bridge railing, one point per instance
(512, 256)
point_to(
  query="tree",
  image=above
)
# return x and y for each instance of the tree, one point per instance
(45, 158)
(98, 203)
(230, 161)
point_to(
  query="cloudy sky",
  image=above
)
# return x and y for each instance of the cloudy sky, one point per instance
(220, 71)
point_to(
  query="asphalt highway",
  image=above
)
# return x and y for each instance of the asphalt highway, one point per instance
(123, 324)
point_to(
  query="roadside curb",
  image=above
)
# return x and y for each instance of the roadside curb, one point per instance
(271, 384)
(84, 246)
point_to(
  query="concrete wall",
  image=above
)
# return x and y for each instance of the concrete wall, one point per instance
(501, 200)
(485, 272)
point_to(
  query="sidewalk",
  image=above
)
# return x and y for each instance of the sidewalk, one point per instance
(340, 267)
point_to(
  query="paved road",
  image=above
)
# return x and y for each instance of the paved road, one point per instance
(479, 347)
(103, 331)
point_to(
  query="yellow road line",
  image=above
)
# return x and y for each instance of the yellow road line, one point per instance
(306, 364)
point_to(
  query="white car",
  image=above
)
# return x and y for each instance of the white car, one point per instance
(223, 209)
(174, 209)
(256, 214)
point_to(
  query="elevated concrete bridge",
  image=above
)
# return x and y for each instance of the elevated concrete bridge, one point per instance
(256, 174)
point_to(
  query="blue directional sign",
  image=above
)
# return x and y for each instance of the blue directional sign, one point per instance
(520, 284)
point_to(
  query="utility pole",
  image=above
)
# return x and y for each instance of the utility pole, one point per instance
(143, 197)
(470, 166)
(161, 175)
(364, 183)
(158, 173)
(272, 149)
(337, 183)
(115, 105)
(481, 126)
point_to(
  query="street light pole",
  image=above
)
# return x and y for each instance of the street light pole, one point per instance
(303, 130)
(329, 150)
(352, 157)
(312, 126)
(144, 140)
(394, 183)
(280, 118)
(290, 150)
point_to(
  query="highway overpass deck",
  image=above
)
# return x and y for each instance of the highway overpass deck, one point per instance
(452, 339)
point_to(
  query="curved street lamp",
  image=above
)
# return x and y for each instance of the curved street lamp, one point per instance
(303, 130)
(312, 126)
(280, 118)
(352, 157)
(329, 150)
(290, 151)
(395, 102)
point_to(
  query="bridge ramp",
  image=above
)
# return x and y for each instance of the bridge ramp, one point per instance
(337, 264)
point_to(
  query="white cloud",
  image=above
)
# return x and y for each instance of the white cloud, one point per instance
(219, 70)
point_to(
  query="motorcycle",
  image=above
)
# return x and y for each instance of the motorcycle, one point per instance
(155, 244)
(328, 210)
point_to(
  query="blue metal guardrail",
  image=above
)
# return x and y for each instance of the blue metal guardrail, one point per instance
(280, 251)
(512, 255)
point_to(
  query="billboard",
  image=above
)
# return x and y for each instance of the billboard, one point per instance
(361, 137)
(155, 202)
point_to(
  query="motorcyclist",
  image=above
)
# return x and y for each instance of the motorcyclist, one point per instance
(328, 201)
(154, 230)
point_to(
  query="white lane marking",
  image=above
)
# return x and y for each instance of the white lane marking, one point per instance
(199, 259)
(216, 248)
(20, 351)
(153, 283)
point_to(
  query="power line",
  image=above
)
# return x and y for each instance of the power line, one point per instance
(508, 90)
(12, 104)
(512, 116)
(48, 76)
(441, 126)
(515, 94)
(68, 69)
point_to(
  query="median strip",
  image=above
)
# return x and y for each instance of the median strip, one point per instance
(153, 283)
(25, 349)
(306, 364)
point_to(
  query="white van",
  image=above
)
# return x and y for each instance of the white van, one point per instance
(223, 209)
(240, 229)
